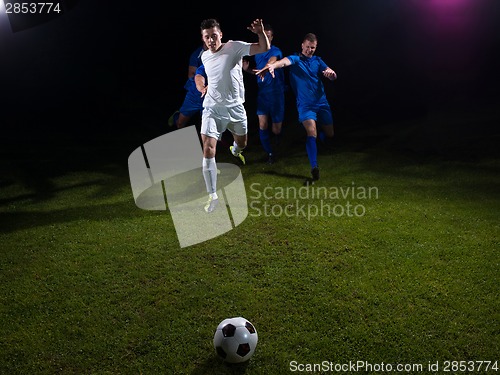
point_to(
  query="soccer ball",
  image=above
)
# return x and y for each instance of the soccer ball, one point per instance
(235, 340)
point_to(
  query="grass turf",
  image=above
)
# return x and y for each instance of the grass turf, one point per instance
(92, 284)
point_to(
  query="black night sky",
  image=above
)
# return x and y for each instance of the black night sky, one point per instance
(108, 68)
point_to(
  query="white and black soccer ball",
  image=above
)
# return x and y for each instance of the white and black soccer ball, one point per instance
(235, 340)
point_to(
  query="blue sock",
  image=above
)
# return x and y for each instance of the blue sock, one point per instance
(312, 151)
(264, 139)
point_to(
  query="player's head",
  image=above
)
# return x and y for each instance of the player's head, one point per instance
(269, 32)
(211, 34)
(309, 44)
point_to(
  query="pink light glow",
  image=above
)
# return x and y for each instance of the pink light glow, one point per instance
(441, 18)
(447, 3)
(449, 30)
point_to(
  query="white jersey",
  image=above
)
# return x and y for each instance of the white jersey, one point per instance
(225, 75)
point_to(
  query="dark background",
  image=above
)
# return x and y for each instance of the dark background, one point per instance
(422, 73)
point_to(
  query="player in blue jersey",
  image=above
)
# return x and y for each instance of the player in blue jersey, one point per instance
(193, 102)
(270, 96)
(306, 73)
(224, 96)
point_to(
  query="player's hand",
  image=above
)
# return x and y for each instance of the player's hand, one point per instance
(203, 91)
(262, 72)
(330, 74)
(256, 26)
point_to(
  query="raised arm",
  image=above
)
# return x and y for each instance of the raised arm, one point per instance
(271, 66)
(263, 45)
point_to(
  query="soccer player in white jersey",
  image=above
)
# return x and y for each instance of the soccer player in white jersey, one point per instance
(224, 96)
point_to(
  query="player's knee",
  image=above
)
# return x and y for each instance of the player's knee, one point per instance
(208, 151)
(311, 132)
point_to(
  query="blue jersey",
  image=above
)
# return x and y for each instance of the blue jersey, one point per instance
(193, 102)
(305, 79)
(194, 60)
(201, 71)
(269, 84)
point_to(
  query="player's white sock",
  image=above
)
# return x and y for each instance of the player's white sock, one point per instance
(209, 168)
(236, 149)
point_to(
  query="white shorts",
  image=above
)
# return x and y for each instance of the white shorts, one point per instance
(215, 120)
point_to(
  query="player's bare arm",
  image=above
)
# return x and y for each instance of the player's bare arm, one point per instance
(272, 60)
(191, 71)
(201, 86)
(272, 66)
(263, 45)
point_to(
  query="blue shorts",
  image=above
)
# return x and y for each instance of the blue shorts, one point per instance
(271, 104)
(321, 113)
(192, 104)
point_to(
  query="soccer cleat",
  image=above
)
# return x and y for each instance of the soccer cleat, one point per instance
(239, 155)
(271, 159)
(211, 204)
(173, 119)
(315, 173)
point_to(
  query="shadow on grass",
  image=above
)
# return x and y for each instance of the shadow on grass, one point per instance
(20, 220)
(44, 190)
(214, 365)
(293, 176)
(37, 175)
(475, 174)
(387, 150)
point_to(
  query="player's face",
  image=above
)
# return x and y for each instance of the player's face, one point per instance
(212, 38)
(269, 34)
(308, 48)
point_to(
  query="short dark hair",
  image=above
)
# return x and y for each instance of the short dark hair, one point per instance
(268, 27)
(209, 23)
(310, 37)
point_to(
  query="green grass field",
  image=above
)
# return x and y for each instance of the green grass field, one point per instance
(91, 284)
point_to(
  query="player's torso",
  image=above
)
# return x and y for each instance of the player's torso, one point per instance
(224, 72)
(269, 83)
(305, 78)
(222, 65)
